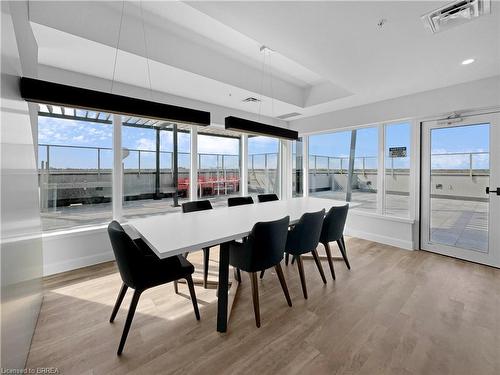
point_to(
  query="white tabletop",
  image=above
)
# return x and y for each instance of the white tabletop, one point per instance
(175, 233)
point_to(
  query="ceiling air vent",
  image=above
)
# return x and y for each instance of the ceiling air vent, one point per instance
(454, 14)
(288, 115)
(251, 99)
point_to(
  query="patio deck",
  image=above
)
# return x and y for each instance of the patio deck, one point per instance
(454, 222)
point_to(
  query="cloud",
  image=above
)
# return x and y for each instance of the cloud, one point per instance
(218, 145)
(73, 133)
(146, 144)
(441, 159)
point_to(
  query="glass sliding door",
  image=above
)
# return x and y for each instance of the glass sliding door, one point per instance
(460, 176)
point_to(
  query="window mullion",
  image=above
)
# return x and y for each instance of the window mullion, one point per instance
(117, 175)
(381, 170)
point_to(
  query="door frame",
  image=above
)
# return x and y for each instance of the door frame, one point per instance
(492, 257)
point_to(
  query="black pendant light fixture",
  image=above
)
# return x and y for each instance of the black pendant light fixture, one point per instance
(259, 128)
(44, 92)
(254, 127)
(39, 91)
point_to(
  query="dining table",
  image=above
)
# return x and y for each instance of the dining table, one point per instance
(173, 234)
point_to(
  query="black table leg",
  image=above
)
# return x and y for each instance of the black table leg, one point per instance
(223, 287)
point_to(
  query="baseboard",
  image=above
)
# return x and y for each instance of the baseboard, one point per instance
(73, 264)
(403, 244)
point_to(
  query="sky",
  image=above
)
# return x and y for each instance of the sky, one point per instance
(82, 134)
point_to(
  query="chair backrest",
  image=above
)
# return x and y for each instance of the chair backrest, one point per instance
(239, 201)
(304, 236)
(196, 206)
(266, 243)
(267, 197)
(334, 223)
(128, 255)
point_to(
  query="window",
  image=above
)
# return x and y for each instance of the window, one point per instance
(263, 159)
(297, 170)
(75, 160)
(148, 168)
(363, 169)
(397, 169)
(343, 165)
(329, 164)
(218, 166)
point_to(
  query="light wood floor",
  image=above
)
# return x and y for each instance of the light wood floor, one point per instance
(395, 312)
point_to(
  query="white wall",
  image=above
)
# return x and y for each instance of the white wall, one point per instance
(21, 245)
(65, 251)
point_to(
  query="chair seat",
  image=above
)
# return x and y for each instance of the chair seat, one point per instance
(239, 258)
(293, 251)
(161, 271)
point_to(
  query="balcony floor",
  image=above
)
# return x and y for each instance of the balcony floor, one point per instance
(454, 222)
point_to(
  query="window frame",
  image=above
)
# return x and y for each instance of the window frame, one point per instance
(381, 171)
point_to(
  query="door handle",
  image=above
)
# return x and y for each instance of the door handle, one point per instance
(497, 191)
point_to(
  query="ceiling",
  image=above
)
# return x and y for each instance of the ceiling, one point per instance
(328, 55)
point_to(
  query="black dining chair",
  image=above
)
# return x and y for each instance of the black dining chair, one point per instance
(304, 238)
(239, 201)
(193, 207)
(267, 197)
(141, 269)
(263, 249)
(333, 230)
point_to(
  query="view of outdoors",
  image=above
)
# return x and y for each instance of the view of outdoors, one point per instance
(263, 171)
(297, 168)
(75, 166)
(76, 163)
(331, 167)
(218, 166)
(397, 169)
(76, 159)
(460, 173)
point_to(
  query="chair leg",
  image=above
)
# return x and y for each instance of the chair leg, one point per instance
(176, 287)
(300, 266)
(287, 256)
(318, 264)
(190, 283)
(262, 274)
(344, 252)
(118, 303)
(237, 274)
(255, 297)
(329, 257)
(206, 258)
(281, 277)
(128, 322)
